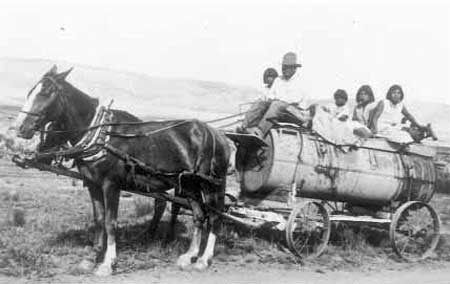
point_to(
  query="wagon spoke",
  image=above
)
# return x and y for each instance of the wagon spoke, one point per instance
(414, 230)
(307, 230)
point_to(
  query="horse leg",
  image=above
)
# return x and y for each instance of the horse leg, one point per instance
(175, 210)
(215, 200)
(111, 194)
(98, 209)
(198, 216)
(159, 207)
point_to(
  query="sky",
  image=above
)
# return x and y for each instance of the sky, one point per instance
(340, 44)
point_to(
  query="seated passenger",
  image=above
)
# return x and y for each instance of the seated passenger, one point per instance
(284, 92)
(269, 76)
(332, 122)
(364, 105)
(387, 119)
(339, 109)
(258, 108)
(362, 113)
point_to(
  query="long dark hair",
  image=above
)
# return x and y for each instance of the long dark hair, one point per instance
(269, 72)
(369, 92)
(392, 89)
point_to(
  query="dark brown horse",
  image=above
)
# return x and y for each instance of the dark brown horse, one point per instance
(172, 147)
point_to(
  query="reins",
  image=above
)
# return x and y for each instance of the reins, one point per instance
(30, 113)
(147, 134)
(138, 123)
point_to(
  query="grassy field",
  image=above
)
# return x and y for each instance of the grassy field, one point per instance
(45, 231)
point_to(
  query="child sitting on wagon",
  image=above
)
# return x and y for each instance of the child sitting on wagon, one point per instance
(339, 109)
(388, 118)
(332, 122)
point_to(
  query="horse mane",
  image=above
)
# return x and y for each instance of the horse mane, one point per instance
(79, 97)
(125, 116)
(79, 112)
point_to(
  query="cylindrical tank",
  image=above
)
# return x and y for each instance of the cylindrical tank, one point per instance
(442, 165)
(375, 173)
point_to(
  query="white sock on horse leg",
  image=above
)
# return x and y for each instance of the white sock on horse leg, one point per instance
(110, 254)
(105, 268)
(208, 254)
(185, 259)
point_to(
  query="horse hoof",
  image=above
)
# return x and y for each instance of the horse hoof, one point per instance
(201, 265)
(184, 261)
(103, 270)
(86, 265)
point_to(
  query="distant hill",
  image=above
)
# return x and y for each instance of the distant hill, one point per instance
(140, 94)
(151, 97)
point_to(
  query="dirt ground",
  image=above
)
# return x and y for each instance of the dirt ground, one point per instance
(45, 234)
(219, 275)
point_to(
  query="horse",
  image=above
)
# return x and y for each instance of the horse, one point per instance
(53, 140)
(174, 147)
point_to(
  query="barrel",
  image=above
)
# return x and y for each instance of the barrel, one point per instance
(374, 173)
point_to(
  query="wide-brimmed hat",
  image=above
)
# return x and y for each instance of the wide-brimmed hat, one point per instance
(290, 59)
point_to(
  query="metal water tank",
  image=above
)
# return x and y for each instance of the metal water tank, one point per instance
(375, 173)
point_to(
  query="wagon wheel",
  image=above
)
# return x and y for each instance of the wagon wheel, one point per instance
(414, 231)
(308, 230)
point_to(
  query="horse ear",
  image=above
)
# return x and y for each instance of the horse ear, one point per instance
(52, 70)
(63, 75)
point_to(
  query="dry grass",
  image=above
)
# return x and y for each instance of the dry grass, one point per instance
(143, 206)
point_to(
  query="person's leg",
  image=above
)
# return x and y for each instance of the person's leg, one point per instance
(275, 110)
(298, 116)
(254, 114)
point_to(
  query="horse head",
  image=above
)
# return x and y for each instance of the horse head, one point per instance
(43, 104)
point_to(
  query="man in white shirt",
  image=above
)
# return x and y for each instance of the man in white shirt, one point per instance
(285, 91)
(287, 87)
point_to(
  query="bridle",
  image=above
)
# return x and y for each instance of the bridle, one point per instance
(40, 115)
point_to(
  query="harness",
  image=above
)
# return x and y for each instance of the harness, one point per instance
(91, 145)
(94, 145)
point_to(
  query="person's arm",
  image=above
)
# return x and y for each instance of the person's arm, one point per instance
(327, 107)
(376, 113)
(411, 118)
(354, 115)
(302, 101)
(344, 114)
(272, 92)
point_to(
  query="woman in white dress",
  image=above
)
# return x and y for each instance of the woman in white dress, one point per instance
(388, 115)
(364, 105)
(363, 111)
